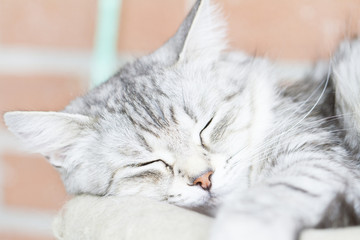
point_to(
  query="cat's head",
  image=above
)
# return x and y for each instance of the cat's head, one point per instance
(166, 126)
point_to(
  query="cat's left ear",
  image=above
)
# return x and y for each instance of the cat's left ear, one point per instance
(200, 36)
(48, 133)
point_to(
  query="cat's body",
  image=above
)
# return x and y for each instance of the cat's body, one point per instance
(201, 128)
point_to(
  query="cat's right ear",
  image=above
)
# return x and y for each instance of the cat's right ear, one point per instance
(201, 36)
(48, 133)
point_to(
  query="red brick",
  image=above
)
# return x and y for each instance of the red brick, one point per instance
(38, 92)
(31, 182)
(291, 29)
(48, 23)
(17, 236)
(285, 29)
(146, 25)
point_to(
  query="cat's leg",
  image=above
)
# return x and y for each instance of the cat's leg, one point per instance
(301, 196)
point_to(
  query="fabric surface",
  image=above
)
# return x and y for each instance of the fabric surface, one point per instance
(133, 218)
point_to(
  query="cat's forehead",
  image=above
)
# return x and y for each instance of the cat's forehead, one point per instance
(146, 100)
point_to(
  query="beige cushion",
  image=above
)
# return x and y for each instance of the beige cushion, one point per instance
(133, 218)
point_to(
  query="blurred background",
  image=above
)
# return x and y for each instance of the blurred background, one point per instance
(54, 50)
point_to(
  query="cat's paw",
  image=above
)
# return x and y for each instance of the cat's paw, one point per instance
(234, 226)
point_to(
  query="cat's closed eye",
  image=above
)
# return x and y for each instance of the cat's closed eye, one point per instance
(201, 139)
(150, 162)
(149, 172)
(155, 161)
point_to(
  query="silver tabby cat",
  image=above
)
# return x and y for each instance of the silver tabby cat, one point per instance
(218, 131)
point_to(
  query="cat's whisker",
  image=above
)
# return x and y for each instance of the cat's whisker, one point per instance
(315, 104)
(255, 159)
(276, 137)
(274, 140)
(303, 103)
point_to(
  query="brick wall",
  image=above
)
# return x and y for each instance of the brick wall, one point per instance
(45, 61)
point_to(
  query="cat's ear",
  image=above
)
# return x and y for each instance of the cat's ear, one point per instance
(200, 36)
(48, 133)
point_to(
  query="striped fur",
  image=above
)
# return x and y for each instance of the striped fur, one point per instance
(284, 153)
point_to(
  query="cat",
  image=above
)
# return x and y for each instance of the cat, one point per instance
(202, 128)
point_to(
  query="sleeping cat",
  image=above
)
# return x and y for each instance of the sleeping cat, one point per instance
(202, 128)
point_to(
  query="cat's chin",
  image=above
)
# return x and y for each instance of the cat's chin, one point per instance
(206, 205)
(209, 208)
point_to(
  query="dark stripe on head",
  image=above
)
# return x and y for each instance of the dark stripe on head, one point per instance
(231, 96)
(150, 113)
(157, 88)
(130, 118)
(148, 130)
(220, 128)
(190, 113)
(140, 125)
(172, 114)
(144, 143)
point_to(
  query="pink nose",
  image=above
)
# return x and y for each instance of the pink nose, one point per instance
(204, 180)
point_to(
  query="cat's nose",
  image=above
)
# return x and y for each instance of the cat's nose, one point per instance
(204, 180)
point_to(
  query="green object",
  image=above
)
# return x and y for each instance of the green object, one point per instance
(104, 55)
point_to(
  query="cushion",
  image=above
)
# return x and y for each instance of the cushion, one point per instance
(133, 218)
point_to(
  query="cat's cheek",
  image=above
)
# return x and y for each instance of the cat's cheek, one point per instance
(226, 180)
(182, 194)
(220, 187)
(141, 187)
